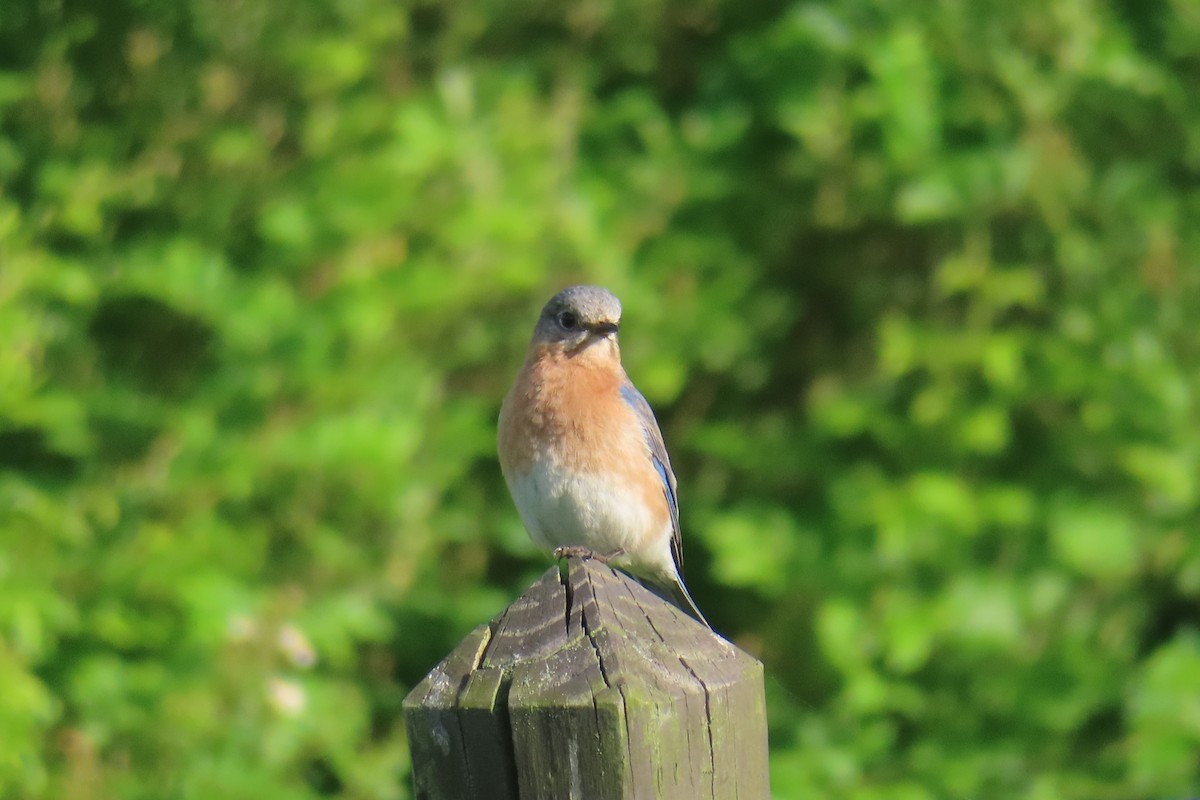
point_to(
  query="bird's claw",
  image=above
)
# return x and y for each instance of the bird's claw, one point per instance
(585, 553)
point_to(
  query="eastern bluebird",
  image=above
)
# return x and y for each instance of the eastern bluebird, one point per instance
(581, 451)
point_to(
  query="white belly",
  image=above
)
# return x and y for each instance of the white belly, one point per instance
(598, 512)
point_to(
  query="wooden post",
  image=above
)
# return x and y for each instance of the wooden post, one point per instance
(590, 687)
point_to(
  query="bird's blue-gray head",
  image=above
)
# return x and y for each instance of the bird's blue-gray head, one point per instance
(577, 317)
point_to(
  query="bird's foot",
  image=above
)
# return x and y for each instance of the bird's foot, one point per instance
(578, 551)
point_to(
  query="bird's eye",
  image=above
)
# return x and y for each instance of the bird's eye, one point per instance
(568, 320)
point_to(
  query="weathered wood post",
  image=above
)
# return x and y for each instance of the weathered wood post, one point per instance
(590, 687)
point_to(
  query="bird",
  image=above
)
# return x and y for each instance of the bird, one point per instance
(582, 452)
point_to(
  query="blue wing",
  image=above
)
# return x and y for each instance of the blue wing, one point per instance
(658, 454)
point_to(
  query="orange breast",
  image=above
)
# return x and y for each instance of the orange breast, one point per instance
(570, 409)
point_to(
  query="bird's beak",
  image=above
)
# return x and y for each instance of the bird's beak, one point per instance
(602, 329)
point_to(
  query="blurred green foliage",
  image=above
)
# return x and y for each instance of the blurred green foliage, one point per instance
(915, 290)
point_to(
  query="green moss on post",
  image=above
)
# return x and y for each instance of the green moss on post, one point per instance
(592, 687)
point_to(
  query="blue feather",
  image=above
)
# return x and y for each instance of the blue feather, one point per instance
(654, 441)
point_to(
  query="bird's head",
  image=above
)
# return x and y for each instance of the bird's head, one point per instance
(577, 318)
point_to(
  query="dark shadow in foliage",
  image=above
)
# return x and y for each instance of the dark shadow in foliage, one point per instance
(322, 777)
(26, 450)
(419, 641)
(158, 348)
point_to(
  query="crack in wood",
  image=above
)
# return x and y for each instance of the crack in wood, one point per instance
(587, 632)
(712, 750)
(564, 578)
